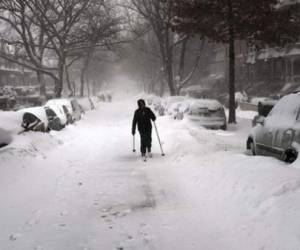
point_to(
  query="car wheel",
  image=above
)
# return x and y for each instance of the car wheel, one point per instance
(290, 156)
(252, 147)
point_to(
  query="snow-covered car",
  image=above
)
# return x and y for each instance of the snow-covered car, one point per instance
(278, 134)
(62, 108)
(263, 109)
(179, 109)
(54, 122)
(169, 101)
(77, 110)
(208, 113)
(34, 119)
(256, 100)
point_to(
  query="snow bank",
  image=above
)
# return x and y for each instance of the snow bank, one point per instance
(205, 193)
(11, 121)
(5, 137)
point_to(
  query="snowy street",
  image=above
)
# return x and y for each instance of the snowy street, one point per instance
(84, 189)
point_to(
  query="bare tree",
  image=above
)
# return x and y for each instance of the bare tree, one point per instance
(27, 35)
(66, 30)
(100, 28)
(158, 14)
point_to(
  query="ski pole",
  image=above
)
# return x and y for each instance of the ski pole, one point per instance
(133, 150)
(162, 152)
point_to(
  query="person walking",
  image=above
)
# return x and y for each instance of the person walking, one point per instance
(142, 118)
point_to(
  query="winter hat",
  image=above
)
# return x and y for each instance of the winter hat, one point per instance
(141, 102)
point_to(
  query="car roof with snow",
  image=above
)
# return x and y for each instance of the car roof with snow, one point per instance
(209, 104)
(39, 112)
(60, 102)
(287, 107)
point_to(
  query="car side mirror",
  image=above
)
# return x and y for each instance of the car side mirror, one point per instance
(261, 120)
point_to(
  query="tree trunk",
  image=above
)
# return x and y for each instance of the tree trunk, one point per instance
(232, 116)
(57, 87)
(83, 72)
(169, 66)
(182, 59)
(42, 83)
(70, 87)
(59, 82)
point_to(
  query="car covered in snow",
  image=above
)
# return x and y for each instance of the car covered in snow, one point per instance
(170, 101)
(77, 110)
(179, 109)
(278, 134)
(34, 119)
(208, 113)
(263, 109)
(63, 109)
(54, 123)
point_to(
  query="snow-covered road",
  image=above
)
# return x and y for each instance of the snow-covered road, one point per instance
(83, 188)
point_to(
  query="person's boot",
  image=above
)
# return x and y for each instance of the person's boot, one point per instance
(149, 153)
(144, 157)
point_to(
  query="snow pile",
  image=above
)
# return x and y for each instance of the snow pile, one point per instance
(11, 121)
(83, 188)
(5, 137)
(241, 97)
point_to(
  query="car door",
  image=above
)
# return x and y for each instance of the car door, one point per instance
(286, 132)
(263, 137)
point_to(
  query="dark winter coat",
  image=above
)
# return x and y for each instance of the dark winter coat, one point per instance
(142, 117)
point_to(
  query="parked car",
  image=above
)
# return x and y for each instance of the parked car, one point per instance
(278, 134)
(169, 101)
(179, 109)
(209, 113)
(77, 110)
(57, 106)
(263, 109)
(54, 123)
(34, 119)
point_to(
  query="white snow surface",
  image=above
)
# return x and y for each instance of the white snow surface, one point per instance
(11, 121)
(210, 104)
(83, 188)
